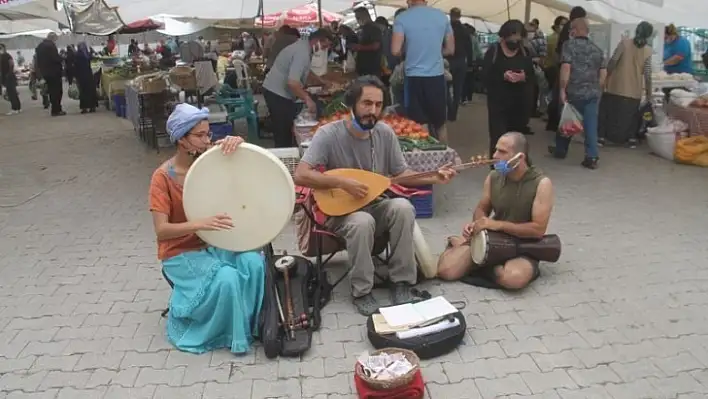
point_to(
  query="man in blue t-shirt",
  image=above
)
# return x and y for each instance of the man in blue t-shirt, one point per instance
(417, 34)
(677, 52)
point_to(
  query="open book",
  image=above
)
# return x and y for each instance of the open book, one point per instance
(417, 314)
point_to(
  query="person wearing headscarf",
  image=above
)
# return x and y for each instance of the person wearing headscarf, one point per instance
(508, 71)
(677, 52)
(217, 294)
(69, 64)
(628, 71)
(88, 100)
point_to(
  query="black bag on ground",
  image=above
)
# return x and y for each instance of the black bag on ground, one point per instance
(427, 346)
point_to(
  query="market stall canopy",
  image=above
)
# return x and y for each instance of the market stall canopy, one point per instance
(28, 25)
(388, 13)
(298, 17)
(14, 10)
(689, 13)
(143, 25)
(175, 27)
(500, 11)
(41, 33)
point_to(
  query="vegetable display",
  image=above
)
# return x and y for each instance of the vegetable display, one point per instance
(403, 127)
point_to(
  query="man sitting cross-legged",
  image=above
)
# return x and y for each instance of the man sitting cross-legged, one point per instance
(517, 200)
(361, 142)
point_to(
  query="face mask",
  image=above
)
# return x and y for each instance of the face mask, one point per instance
(512, 44)
(506, 167)
(364, 126)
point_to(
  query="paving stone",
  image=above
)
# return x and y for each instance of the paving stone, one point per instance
(510, 385)
(81, 316)
(544, 382)
(466, 389)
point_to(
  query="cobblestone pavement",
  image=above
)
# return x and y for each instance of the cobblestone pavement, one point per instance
(622, 315)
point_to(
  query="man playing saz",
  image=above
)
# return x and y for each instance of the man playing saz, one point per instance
(362, 142)
(517, 199)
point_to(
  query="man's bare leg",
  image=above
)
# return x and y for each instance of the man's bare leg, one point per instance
(456, 260)
(516, 274)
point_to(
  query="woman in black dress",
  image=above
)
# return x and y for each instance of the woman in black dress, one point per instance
(85, 79)
(509, 75)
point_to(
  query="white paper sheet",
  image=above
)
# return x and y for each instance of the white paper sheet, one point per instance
(418, 313)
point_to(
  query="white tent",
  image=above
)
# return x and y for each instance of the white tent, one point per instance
(15, 10)
(388, 13)
(27, 25)
(497, 11)
(680, 12)
(40, 33)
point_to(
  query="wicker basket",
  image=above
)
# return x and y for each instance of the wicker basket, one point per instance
(382, 385)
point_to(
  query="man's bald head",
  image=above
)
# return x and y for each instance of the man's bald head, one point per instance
(580, 26)
(518, 142)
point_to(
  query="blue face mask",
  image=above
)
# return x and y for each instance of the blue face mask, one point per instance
(506, 167)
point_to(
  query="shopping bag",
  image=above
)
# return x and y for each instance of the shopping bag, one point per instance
(571, 122)
(647, 119)
(73, 92)
(318, 65)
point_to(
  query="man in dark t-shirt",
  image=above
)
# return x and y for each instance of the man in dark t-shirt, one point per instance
(368, 57)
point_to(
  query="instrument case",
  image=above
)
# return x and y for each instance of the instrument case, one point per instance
(426, 347)
(305, 289)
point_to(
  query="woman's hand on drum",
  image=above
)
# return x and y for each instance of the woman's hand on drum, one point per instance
(229, 144)
(216, 223)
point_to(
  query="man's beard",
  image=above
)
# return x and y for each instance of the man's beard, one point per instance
(365, 122)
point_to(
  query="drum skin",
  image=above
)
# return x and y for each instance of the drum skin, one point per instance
(251, 185)
(426, 347)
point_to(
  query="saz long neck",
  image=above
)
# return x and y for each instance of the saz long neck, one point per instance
(457, 168)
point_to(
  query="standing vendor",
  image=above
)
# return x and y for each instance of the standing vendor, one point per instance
(285, 83)
(677, 52)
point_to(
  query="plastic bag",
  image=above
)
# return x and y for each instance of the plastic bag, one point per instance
(73, 92)
(692, 151)
(318, 64)
(648, 120)
(571, 122)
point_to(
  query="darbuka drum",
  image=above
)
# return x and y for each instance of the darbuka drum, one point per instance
(491, 248)
(251, 185)
(423, 257)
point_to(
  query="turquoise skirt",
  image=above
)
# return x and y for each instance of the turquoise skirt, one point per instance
(216, 300)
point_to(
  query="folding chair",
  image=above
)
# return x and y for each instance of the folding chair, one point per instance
(316, 241)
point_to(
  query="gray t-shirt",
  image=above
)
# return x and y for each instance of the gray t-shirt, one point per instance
(292, 63)
(334, 147)
(586, 60)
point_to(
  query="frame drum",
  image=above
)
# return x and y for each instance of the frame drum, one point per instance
(425, 259)
(251, 185)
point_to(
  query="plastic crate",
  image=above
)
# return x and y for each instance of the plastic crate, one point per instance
(119, 104)
(423, 204)
(220, 130)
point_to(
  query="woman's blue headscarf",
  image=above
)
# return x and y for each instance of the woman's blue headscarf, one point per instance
(183, 119)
